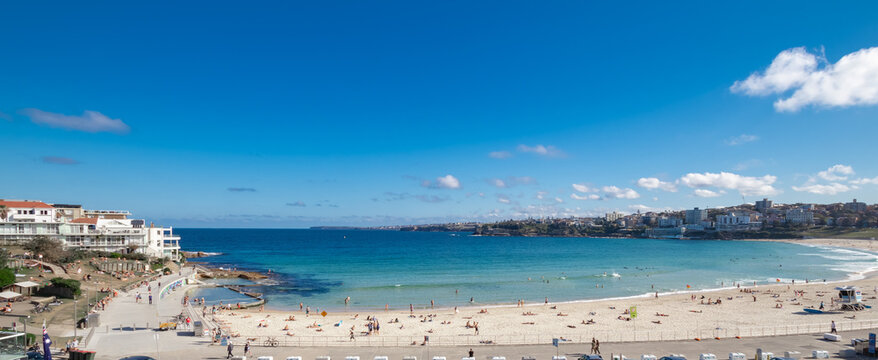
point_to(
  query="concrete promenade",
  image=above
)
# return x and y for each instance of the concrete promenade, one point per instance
(128, 328)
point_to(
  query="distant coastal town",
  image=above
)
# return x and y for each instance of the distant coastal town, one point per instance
(762, 220)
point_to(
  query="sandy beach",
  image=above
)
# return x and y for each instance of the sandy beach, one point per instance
(746, 310)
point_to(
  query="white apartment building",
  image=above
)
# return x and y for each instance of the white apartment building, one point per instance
(799, 216)
(613, 216)
(102, 230)
(738, 221)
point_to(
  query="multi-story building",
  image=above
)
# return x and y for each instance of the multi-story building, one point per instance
(763, 205)
(613, 216)
(103, 230)
(799, 216)
(696, 216)
(855, 206)
(734, 221)
(665, 222)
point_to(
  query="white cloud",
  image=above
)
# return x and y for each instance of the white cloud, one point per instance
(559, 200)
(541, 195)
(705, 193)
(654, 183)
(503, 199)
(617, 193)
(865, 181)
(853, 80)
(582, 188)
(644, 208)
(741, 139)
(576, 196)
(442, 182)
(89, 121)
(548, 151)
(512, 181)
(823, 189)
(500, 154)
(746, 185)
(836, 173)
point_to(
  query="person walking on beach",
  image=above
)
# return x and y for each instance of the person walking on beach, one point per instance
(229, 349)
(411, 309)
(352, 334)
(150, 299)
(833, 328)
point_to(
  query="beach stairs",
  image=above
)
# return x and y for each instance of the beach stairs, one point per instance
(324, 357)
(737, 356)
(707, 356)
(468, 358)
(820, 354)
(352, 358)
(562, 358)
(409, 357)
(439, 358)
(265, 358)
(648, 357)
(498, 358)
(294, 358)
(380, 358)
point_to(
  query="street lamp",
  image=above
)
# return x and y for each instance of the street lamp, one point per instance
(74, 316)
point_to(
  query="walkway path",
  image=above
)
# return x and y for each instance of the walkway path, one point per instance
(128, 328)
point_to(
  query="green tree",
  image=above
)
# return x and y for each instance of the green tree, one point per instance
(7, 277)
(51, 249)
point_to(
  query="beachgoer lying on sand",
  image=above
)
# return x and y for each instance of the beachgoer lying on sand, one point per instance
(286, 327)
(290, 334)
(592, 313)
(562, 314)
(291, 318)
(571, 326)
(660, 314)
(528, 323)
(657, 322)
(695, 311)
(528, 313)
(483, 311)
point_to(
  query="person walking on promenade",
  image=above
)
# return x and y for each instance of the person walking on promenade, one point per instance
(833, 327)
(471, 353)
(229, 349)
(597, 346)
(247, 348)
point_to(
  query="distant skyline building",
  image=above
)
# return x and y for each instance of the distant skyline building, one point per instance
(696, 216)
(855, 206)
(799, 216)
(763, 205)
(613, 216)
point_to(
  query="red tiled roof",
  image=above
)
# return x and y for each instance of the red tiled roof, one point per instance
(93, 221)
(25, 204)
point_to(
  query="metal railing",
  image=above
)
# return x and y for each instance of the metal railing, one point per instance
(535, 339)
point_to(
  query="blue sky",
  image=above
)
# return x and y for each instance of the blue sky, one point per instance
(291, 114)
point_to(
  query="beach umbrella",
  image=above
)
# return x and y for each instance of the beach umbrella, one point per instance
(47, 343)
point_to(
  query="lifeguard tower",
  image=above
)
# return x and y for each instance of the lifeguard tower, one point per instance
(850, 298)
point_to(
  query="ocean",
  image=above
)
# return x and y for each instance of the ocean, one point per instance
(376, 268)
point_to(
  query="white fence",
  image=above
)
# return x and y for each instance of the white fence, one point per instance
(603, 336)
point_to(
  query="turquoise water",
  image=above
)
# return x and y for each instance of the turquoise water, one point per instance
(321, 267)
